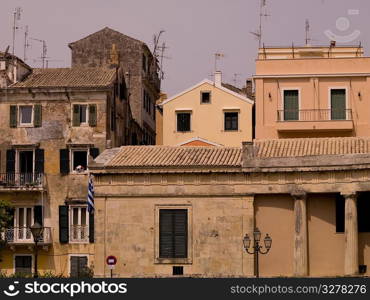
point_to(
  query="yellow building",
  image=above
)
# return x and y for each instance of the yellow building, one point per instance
(312, 92)
(208, 113)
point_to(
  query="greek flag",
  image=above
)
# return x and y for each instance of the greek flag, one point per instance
(90, 196)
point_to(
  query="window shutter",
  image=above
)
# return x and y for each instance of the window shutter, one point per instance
(82, 266)
(291, 106)
(39, 161)
(13, 116)
(165, 234)
(37, 214)
(74, 266)
(338, 104)
(10, 161)
(37, 118)
(92, 115)
(94, 152)
(63, 224)
(180, 233)
(64, 161)
(91, 228)
(76, 115)
(10, 223)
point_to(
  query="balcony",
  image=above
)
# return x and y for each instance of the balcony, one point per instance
(23, 236)
(79, 234)
(21, 181)
(315, 120)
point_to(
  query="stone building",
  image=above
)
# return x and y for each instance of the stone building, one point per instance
(185, 210)
(12, 69)
(51, 124)
(140, 69)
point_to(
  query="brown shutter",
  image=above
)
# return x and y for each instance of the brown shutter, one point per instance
(63, 224)
(76, 115)
(92, 115)
(37, 120)
(13, 116)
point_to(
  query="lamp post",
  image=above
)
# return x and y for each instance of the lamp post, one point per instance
(37, 231)
(257, 248)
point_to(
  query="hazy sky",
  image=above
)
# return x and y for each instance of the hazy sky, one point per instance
(194, 30)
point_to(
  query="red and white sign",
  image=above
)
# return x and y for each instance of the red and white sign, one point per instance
(111, 260)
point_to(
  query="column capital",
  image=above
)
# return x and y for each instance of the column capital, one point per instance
(349, 195)
(299, 195)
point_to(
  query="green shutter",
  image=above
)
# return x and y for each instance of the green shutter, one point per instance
(37, 214)
(13, 116)
(39, 161)
(37, 120)
(338, 104)
(63, 224)
(92, 115)
(91, 227)
(64, 161)
(76, 115)
(291, 105)
(94, 152)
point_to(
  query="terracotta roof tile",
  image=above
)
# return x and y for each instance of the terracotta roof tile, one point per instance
(173, 156)
(68, 77)
(311, 147)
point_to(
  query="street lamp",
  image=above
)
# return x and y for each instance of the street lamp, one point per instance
(257, 248)
(37, 231)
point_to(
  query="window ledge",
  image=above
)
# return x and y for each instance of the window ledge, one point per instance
(173, 261)
(26, 125)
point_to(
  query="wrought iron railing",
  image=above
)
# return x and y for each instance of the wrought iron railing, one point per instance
(79, 233)
(21, 179)
(314, 115)
(23, 235)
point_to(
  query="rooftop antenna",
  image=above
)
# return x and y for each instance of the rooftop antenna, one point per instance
(44, 50)
(217, 57)
(26, 44)
(235, 80)
(16, 18)
(161, 56)
(156, 49)
(307, 29)
(258, 33)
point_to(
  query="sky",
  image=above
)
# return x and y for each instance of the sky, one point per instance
(194, 30)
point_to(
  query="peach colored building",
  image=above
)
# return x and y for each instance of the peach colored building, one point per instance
(312, 92)
(208, 113)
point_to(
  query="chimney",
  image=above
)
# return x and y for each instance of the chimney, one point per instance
(218, 78)
(249, 87)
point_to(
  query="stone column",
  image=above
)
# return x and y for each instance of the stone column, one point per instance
(350, 234)
(248, 226)
(300, 234)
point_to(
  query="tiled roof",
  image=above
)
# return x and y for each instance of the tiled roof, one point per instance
(310, 147)
(68, 77)
(173, 156)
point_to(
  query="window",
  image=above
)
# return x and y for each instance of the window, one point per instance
(79, 160)
(25, 115)
(183, 122)
(76, 159)
(173, 233)
(338, 104)
(78, 266)
(78, 224)
(363, 213)
(231, 121)
(205, 97)
(83, 114)
(291, 105)
(23, 264)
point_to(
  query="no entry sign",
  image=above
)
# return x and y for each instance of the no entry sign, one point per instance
(111, 260)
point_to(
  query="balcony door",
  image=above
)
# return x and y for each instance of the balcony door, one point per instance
(79, 224)
(23, 221)
(291, 105)
(26, 166)
(338, 104)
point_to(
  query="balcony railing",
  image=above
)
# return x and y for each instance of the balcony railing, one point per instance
(28, 180)
(79, 233)
(23, 235)
(310, 115)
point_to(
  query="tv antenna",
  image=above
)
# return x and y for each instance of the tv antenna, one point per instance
(263, 13)
(161, 56)
(16, 18)
(26, 44)
(235, 79)
(218, 56)
(44, 50)
(158, 53)
(308, 36)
